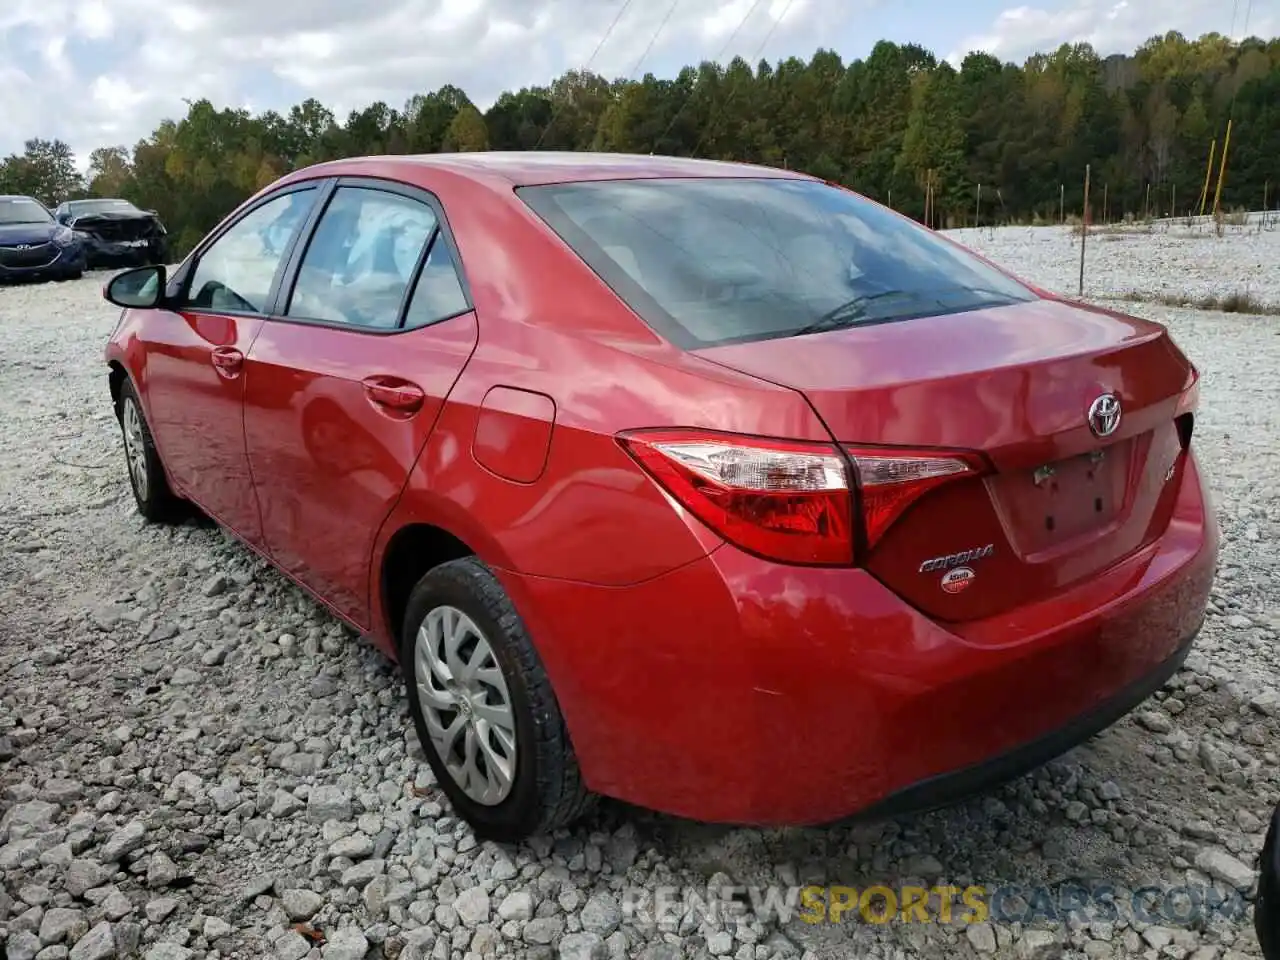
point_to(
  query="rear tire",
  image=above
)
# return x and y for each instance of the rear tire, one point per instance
(485, 713)
(155, 499)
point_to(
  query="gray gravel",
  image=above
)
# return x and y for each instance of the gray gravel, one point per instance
(196, 761)
(1162, 259)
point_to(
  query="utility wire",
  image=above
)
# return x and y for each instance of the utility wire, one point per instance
(1231, 109)
(719, 56)
(556, 113)
(654, 39)
(1244, 33)
(711, 121)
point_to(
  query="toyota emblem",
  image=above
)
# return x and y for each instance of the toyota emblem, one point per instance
(1104, 415)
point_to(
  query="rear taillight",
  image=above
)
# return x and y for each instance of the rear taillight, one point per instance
(788, 500)
(891, 480)
(785, 500)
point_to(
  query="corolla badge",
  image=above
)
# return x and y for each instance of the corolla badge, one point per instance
(950, 560)
(1104, 415)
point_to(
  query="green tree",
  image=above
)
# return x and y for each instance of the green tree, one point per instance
(46, 170)
(878, 124)
(467, 131)
(110, 171)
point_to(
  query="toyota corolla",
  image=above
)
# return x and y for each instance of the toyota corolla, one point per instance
(711, 487)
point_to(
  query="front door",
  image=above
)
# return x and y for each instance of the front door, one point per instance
(344, 387)
(194, 377)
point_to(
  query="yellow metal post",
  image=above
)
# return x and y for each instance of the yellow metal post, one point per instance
(1208, 172)
(1222, 171)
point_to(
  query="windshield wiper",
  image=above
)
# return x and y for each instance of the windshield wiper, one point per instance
(849, 311)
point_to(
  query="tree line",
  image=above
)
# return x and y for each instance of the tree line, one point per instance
(899, 126)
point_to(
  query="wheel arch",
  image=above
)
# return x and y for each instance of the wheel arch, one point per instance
(116, 377)
(411, 551)
(118, 374)
(423, 532)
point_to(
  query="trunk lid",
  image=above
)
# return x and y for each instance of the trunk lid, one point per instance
(1016, 385)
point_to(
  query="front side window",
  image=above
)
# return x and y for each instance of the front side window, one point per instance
(362, 258)
(722, 260)
(236, 272)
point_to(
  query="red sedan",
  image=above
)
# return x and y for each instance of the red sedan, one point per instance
(710, 487)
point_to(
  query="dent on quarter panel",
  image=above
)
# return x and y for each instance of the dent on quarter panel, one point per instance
(513, 433)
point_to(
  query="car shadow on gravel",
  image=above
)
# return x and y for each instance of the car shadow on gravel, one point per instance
(1111, 813)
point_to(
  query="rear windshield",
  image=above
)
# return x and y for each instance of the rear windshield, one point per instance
(714, 261)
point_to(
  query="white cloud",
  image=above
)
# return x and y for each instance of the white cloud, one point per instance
(93, 20)
(104, 71)
(1111, 26)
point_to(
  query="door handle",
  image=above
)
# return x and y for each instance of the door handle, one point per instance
(395, 394)
(227, 361)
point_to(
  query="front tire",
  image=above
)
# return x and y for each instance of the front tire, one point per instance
(483, 707)
(155, 499)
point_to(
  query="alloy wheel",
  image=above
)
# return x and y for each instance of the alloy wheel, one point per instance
(135, 447)
(466, 704)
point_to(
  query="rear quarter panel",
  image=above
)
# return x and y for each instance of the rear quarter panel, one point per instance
(550, 327)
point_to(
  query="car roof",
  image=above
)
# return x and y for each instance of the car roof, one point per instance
(18, 196)
(534, 167)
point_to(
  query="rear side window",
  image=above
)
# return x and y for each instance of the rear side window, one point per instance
(720, 260)
(438, 295)
(362, 258)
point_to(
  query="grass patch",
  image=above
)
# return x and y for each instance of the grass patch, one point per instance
(1240, 301)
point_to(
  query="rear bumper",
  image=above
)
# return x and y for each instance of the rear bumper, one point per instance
(736, 690)
(947, 788)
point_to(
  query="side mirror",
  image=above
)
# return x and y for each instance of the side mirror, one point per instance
(140, 289)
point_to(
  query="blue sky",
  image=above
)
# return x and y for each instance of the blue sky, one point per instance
(99, 72)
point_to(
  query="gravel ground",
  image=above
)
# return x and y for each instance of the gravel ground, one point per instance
(196, 761)
(1163, 260)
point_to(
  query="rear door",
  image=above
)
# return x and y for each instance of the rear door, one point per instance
(346, 379)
